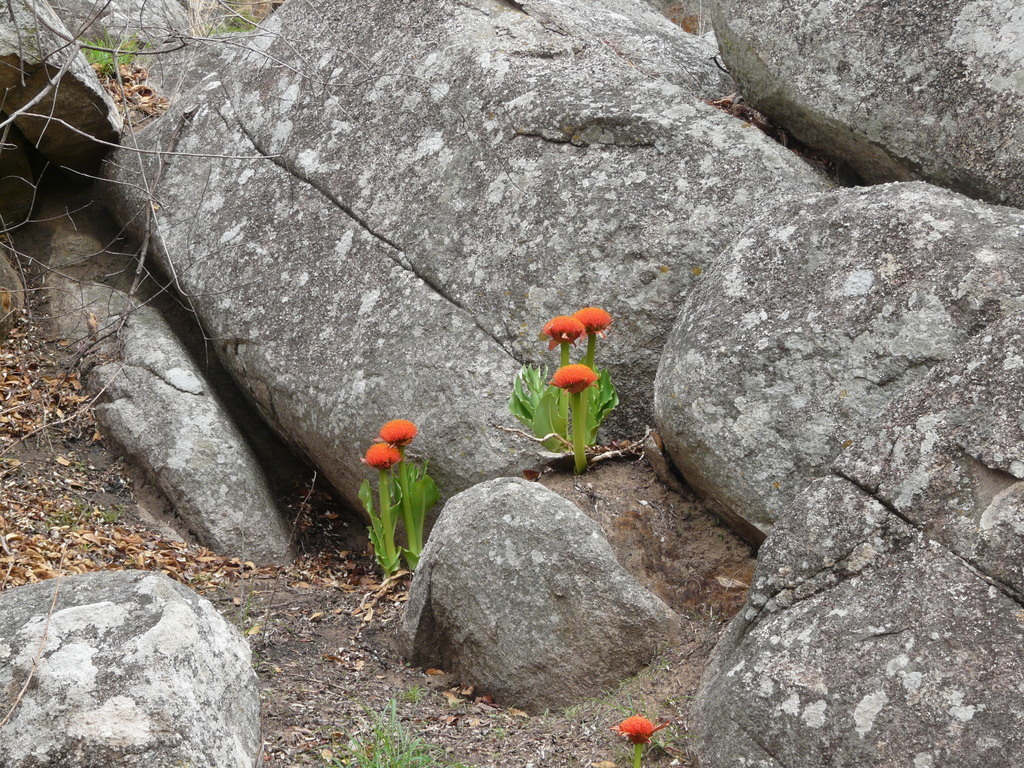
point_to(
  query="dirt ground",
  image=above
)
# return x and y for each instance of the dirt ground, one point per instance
(323, 631)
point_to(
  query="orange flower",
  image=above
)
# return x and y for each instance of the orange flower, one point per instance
(563, 329)
(594, 320)
(638, 729)
(574, 378)
(382, 456)
(398, 433)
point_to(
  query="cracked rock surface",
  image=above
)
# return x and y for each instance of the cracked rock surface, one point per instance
(432, 189)
(131, 669)
(552, 618)
(884, 625)
(813, 319)
(929, 89)
(158, 407)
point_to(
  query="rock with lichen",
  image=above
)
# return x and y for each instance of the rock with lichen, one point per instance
(518, 593)
(812, 320)
(381, 228)
(925, 90)
(116, 670)
(884, 624)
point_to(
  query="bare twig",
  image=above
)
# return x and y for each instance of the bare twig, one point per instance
(528, 436)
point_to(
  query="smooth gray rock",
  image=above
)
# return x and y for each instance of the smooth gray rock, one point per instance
(157, 406)
(518, 593)
(434, 189)
(928, 90)
(884, 621)
(121, 20)
(132, 669)
(64, 124)
(813, 320)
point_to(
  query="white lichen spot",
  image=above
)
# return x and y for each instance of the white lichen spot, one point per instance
(118, 722)
(732, 672)
(369, 301)
(767, 686)
(184, 380)
(859, 282)
(1012, 362)
(894, 666)
(867, 710)
(791, 706)
(923, 760)
(814, 714)
(344, 245)
(70, 664)
(912, 681)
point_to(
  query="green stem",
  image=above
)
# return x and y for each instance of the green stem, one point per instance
(563, 400)
(579, 432)
(387, 521)
(591, 346)
(413, 532)
(638, 750)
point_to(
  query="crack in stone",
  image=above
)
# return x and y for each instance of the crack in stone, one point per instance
(1007, 590)
(399, 258)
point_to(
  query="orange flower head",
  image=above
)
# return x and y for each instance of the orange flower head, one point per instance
(382, 456)
(563, 329)
(574, 378)
(398, 433)
(594, 320)
(638, 729)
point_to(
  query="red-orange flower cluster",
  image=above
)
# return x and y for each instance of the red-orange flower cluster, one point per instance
(594, 320)
(563, 329)
(382, 456)
(398, 433)
(638, 729)
(574, 378)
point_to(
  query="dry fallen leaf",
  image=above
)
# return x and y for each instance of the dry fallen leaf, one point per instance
(433, 671)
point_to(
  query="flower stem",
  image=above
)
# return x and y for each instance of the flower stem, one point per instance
(591, 346)
(386, 518)
(638, 750)
(413, 530)
(579, 432)
(563, 403)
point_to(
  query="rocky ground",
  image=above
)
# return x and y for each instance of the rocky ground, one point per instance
(323, 630)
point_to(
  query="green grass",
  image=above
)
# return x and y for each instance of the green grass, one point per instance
(107, 54)
(387, 743)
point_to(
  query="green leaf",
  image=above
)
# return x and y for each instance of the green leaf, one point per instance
(526, 392)
(548, 418)
(366, 496)
(601, 400)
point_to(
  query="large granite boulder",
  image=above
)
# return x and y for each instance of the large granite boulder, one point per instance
(930, 91)
(118, 670)
(519, 594)
(158, 406)
(68, 123)
(428, 191)
(884, 621)
(814, 319)
(122, 20)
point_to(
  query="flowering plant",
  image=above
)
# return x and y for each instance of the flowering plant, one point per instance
(403, 486)
(543, 406)
(639, 731)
